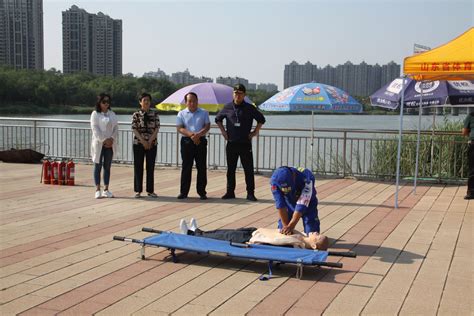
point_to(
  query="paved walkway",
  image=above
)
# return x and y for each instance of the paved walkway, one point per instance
(58, 257)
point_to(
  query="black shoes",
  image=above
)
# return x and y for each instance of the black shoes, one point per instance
(228, 196)
(231, 195)
(469, 197)
(251, 197)
(182, 196)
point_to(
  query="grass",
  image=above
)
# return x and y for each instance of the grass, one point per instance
(440, 156)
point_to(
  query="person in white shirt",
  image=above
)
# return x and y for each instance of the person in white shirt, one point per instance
(104, 125)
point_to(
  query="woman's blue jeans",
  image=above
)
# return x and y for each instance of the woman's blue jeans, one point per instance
(105, 160)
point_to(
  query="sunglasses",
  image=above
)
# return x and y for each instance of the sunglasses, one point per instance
(105, 101)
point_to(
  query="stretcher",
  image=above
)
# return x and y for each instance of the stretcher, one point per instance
(268, 253)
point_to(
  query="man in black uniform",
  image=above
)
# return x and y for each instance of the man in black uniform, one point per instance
(239, 116)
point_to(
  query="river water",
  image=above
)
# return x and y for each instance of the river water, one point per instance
(410, 122)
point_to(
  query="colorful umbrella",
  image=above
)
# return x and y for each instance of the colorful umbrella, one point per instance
(312, 97)
(211, 96)
(431, 93)
(421, 94)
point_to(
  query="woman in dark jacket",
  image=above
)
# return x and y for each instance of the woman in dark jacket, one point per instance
(145, 127)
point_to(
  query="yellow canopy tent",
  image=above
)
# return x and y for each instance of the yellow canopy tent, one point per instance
(451, 61)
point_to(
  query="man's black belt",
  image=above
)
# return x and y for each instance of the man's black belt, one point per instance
(201, 138)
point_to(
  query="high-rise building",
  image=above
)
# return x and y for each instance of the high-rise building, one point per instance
(268, 87)
(185, 78)
(231, 81)
(390, 71)
(91, 43)
(21, 34)
(158, 74)
(357, 80)
(251, 86)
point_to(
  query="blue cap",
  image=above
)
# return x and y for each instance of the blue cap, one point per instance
(282, 178)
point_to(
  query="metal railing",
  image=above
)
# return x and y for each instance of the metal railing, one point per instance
(337, 152)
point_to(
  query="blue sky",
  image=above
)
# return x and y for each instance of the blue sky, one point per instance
(255, 39)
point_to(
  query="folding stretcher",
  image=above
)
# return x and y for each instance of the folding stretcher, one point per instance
(269, 253)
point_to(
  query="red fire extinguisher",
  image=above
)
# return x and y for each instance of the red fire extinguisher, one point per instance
(70, 171)
(62, 172)
(54, 172)
(46, 171)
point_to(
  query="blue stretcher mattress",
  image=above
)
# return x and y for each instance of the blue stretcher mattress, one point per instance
(220, 247)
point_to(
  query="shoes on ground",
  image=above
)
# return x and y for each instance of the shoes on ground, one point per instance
(251, 197)
(183, 227)
(138, 195)
(228, 195)
(153, 195)
(203, 197)
(97, 194)
(107, 194)
(193, 224)
(182, 196)
(469, 197)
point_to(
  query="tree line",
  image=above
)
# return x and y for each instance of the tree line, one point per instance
(51, 87)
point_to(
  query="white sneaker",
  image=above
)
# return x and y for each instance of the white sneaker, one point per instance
(107, 194)
(193, 225)
(183, 227)
(97, 194)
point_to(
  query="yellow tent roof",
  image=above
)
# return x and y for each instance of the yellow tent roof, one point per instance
(451, 61)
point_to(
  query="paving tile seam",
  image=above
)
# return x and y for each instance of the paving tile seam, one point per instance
(95, 280)
(406, 196)
(398, 256)
(102, 254)
(452, 259)
(236, 271)
(75, 232)
(327, 271)
(427, 251)
(72, 276)
(111, 241)
(348, 214)
(116, 285)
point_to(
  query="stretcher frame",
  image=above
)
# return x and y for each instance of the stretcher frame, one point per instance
(299, 265)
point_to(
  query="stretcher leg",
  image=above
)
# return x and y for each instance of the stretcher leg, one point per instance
(265, 278)
(142, 252)
(299, 271)
(173, 255)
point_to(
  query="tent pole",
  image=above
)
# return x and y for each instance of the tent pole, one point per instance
(312, 141)
(399, 150)
(418, 138)
(433, 126)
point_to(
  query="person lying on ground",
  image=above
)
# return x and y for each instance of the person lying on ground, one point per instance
(252, 235)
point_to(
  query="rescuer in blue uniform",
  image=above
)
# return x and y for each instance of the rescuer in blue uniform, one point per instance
(295, 197)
